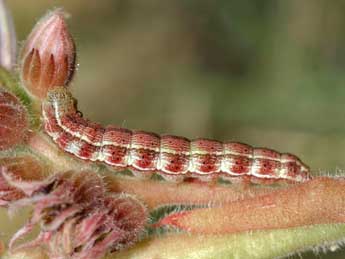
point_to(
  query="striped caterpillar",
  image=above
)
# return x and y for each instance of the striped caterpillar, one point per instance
(175, 158)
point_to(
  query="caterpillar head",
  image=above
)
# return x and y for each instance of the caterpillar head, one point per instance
(61, 99)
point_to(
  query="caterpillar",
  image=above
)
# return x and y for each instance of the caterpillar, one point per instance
(174, 158)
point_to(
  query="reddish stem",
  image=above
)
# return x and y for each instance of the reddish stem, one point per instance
(319, 201)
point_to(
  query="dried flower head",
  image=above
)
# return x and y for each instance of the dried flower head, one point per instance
(78, 220)
(8, 192)
(20, 176)
(48, 56)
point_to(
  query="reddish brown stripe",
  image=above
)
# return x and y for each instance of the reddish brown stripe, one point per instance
(174, 163)
(206, 164)
(88, 151)
(238, 165)
(118, 136)
(64, 140)
(116, 156)
(144, 159)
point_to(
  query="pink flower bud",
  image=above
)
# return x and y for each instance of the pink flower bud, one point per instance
(48, 56)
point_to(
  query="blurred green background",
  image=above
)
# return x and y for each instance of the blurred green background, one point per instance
(268, 73)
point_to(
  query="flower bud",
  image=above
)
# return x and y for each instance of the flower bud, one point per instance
(48, 56)
(13, 121)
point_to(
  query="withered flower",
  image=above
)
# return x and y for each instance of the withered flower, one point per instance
(77, 218)
(48, 57)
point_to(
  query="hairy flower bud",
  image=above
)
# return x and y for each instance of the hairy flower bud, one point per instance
(48, 56)
(13, 120)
